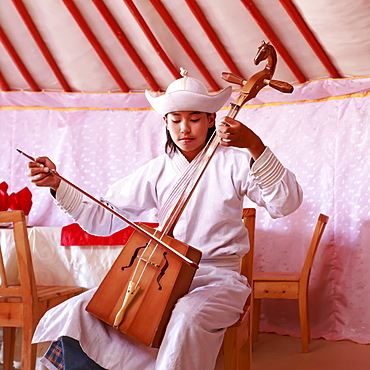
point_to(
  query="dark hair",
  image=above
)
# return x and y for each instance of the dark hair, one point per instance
(171, 146)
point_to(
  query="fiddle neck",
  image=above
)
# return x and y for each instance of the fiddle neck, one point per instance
(191, 179)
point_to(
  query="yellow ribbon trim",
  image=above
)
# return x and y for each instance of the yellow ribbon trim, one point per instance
(248, 106)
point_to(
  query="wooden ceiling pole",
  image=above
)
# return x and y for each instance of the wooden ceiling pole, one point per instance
(195, 9)
(310, 37)
(121, 37)
(162, 11)
(18, 62)
(3, 84)
(95, 44)
(270, 34)
(41, 44)
(151, 38)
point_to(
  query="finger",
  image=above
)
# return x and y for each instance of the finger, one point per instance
(224, 138)
(228, 121)
(223, 123)
(221, 132)
(41, 179)
(226, 132)
(33, 171)
(224, 127)
(221, 126)
(225, 142)
(37, 178)
(42, 160)
(35, 164)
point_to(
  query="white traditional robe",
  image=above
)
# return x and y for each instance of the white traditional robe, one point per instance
(210, 222)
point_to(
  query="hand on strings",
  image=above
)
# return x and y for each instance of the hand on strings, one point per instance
(40, 174)
(235, 133)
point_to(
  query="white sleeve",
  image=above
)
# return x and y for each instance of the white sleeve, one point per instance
(273, 186)
(131, 196)
(267, 169)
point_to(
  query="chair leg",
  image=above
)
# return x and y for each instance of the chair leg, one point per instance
(28, 350)
(237, 356)
(244, 360)
(256, 312)
(230, 348)
(8, 347)
(304, 321)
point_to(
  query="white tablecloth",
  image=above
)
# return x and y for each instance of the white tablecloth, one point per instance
(54, 264)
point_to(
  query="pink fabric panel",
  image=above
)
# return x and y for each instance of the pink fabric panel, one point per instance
(318, 132)
(91, 148)
(326, 144)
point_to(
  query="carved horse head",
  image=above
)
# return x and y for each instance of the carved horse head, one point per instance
(266, 51)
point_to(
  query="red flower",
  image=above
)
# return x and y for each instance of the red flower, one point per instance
(4, 198)
(21, 200)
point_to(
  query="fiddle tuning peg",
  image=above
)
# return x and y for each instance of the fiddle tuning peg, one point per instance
(233, 78)
(281, 86)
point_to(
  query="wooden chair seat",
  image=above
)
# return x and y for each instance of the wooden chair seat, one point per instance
(55, 292)
(44, 293)
(22, 306)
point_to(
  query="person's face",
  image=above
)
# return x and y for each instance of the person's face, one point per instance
(189, 130)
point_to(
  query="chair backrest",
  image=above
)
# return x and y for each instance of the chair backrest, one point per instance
(316, 237)
(27, 288)
(249, 219)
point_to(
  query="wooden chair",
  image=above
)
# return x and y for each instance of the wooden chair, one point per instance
(22, 306)
(237, 344)
(289, 285)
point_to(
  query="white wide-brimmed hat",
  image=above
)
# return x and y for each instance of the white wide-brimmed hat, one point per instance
(188, 94)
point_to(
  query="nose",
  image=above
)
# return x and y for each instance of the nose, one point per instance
(184, 126)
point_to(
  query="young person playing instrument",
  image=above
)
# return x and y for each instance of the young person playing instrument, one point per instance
(211, 222)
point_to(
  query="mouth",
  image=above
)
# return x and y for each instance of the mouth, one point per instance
(186, 139)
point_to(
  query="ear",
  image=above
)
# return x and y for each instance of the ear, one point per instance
(211, 119)
(165, 120)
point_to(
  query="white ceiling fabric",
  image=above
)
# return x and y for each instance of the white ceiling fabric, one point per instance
(341, 26)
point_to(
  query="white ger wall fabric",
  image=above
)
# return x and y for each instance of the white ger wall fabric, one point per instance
(321, 132)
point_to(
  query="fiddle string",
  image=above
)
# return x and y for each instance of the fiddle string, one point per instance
(179, 187)
(183, 186)
(175, 193)
(187, 176)
(146, 261)
(178, 191)
(181, 192)
(196, 171)
(182, 189)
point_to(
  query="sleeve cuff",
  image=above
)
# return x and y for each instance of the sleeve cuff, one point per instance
(267, 169)
(67, 197)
